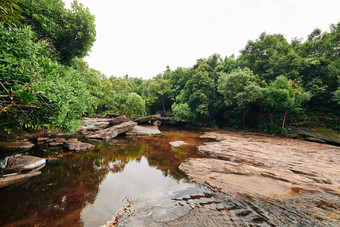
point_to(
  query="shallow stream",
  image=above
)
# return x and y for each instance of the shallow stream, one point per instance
(85, 189)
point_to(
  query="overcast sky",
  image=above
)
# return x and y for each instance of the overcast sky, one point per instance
(141, 37)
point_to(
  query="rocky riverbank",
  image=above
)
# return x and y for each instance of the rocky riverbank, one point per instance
(300, 176)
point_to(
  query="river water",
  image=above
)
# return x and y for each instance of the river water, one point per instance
(85, 189)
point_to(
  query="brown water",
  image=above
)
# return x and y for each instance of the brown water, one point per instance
(85, 189)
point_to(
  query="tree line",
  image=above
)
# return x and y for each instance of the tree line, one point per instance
(46, 84)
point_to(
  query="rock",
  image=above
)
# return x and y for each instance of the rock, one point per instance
(24, 163)
(112, 132)
(171, 121)
(8, 179)
(110, 115)
(95, 124)
(316, 134)
(177, 143)
(265, 166)
(144, 131)
(75, 145)
(119, 120)
(55, 142)
(16, 146)
(148, 120)
(317, 140)
(157, 123)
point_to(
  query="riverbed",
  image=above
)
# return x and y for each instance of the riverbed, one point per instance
(138, 180)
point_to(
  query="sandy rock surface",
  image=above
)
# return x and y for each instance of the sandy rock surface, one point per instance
(267, 166)
(144, 131)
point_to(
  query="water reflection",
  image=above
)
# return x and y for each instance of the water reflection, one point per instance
(86, 188)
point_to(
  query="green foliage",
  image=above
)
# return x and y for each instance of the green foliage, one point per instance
(10, 13)
(240, 89)
(57, 96)
(134, 106)
(270, 128)
(181, 111)
(284, 94)
(159, 95)
(70, 33)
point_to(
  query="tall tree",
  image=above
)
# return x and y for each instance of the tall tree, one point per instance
(70, 32)
(240, 89)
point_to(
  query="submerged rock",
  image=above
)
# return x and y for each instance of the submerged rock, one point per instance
(16, 146)
(177, 143)
(112, 132)
(8, 179)
(144, 131)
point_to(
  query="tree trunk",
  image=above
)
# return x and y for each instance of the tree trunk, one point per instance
(283, 122)
(244, 119)
(271, 117)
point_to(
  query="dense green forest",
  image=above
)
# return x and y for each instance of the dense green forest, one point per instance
(46, 84)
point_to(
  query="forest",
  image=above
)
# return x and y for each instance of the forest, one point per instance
(45, 84)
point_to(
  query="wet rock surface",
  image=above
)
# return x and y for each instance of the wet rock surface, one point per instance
(177, 143)
(277, 181)
(11, 146)
(316, 135)
(75, 145)
(9, 179)
(139, 130)
(24, 163)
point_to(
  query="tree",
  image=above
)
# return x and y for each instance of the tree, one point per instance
(134, 106)
(159, 95)
(70, 33)
(284, 95)
(10, 13)
(240, 89)
(35, 90)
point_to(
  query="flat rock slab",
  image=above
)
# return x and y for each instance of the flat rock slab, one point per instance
(9, 179)
(144, 131)
(111, 132)
(317, 135)
(16, 146)
(24, 163)
(177, 143)
(75, 145)
(267, 166)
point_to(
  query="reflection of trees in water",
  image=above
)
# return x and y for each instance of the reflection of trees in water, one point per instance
(70, 183)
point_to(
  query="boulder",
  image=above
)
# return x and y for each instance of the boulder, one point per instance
(177, 143)
(144, 131)
(75, 145)
(8, 179)
(148, 120)
(112, 132)
(119, 120)
(24, 163)
(16, 146)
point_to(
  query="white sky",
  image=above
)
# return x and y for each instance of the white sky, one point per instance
(141, 37)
